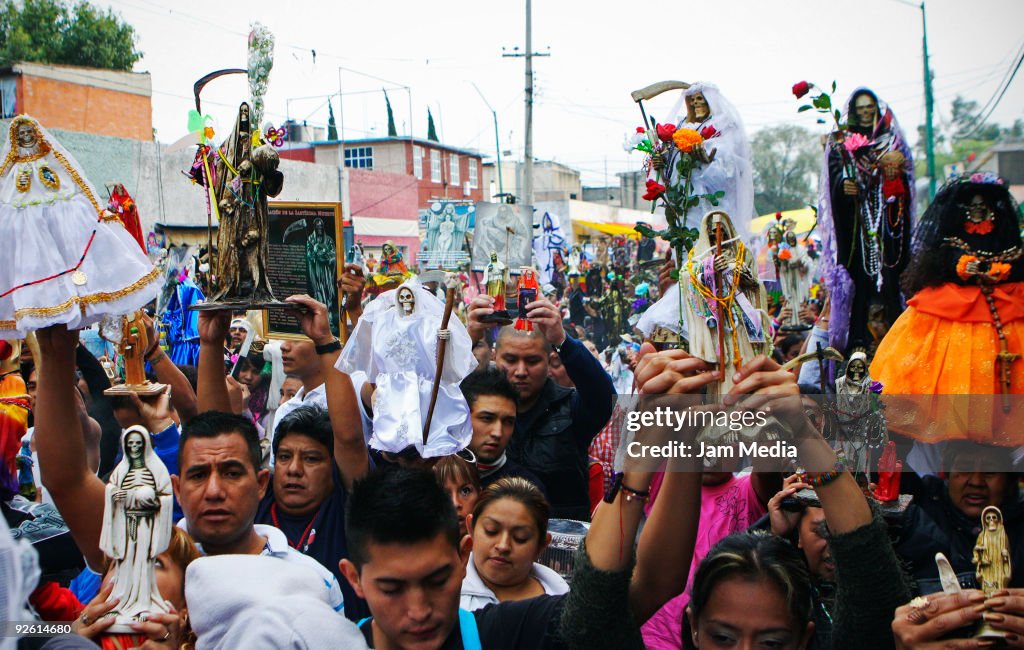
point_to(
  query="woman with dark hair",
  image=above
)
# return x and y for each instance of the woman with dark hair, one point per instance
(964, 324)
(751, 586)
(509, 526)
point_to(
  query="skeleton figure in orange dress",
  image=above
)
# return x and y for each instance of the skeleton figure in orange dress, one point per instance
(963, 331)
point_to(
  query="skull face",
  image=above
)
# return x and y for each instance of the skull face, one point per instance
(406, 301)
(791, 238)
(856, 370)
(978, 210)
(866, 109)
(701, 110)
(991, 520)
(26, 135)
(134, 445)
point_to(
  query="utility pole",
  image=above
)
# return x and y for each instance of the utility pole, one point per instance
(527, 189)
(929, 107)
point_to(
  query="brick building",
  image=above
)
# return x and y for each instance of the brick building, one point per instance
(86, 100)
(441, 171)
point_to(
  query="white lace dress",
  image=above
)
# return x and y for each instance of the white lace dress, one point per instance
(67, 259)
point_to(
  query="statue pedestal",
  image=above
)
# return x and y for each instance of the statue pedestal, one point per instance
(143, 390)
(501, 317)
(242, 305)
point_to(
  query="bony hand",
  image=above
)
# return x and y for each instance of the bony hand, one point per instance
(120, 495)
(723, 261)
(93, 621)
(548, 318)
(213, 326)
(849, 188)
(783, 521)
(313, 318)
(923, 623)
(974, 267)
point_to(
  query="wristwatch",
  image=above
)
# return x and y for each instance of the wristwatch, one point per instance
(327, 348)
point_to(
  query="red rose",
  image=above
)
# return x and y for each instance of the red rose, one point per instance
(708, 132)
(654, 190)
(665, 132)
(640, 129)
(801, 89)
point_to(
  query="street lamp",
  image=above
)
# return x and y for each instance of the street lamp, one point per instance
(497, 142)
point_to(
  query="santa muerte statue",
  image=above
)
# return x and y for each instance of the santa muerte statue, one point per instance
(866, 212)
(963, 330)
(69, 260)
(697, 162)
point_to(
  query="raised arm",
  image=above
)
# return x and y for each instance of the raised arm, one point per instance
(183, 397)
(665, 549)
(350, 452)
(213, 389)
(77, 492)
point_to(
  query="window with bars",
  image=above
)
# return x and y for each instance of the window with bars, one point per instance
(359, 157)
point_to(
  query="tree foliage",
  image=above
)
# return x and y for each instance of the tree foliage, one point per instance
(956, 148)
(50, 31)
(786, 161)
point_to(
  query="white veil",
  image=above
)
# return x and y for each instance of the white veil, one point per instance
(731, 170)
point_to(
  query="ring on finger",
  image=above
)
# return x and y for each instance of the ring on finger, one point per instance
(84, 618)
(166, 636)
(916, 616)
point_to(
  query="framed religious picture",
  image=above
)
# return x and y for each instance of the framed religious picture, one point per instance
(444, 246)
(307, 250)
(504, 229)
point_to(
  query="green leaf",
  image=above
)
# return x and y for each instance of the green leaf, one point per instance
(805, 107)
(713, 200)
(838, 115)
(833, 86)
(822, 102)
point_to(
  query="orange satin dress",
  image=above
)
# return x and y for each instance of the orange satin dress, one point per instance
(945, 346)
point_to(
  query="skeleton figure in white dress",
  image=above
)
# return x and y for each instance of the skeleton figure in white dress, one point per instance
(136, 528)
(395, 344)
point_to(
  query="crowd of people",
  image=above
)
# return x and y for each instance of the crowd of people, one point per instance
(273, 494)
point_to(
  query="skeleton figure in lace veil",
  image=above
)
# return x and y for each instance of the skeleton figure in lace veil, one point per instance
(709, 113)
(137, 526)
(395, 344)
(68, 260)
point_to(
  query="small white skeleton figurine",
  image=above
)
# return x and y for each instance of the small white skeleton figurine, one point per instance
(859, 419)
(136, 528)
(395, 343)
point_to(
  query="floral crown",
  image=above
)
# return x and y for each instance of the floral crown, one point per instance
(983, 178)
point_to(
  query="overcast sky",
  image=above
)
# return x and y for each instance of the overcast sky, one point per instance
(601, 50)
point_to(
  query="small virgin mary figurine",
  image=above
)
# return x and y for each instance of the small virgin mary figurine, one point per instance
(136, 528)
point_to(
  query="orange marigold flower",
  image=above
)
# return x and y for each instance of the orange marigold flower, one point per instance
(961, 266)
(999, 271)
(686, 139)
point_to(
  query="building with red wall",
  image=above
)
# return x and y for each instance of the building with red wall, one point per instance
(73, 98)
